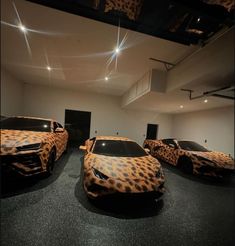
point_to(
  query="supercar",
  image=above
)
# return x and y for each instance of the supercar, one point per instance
(119, 165)
(31, 145)
(190, 156)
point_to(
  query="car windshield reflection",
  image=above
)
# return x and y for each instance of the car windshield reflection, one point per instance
(192, 146)
(25, 124)
(118, 148)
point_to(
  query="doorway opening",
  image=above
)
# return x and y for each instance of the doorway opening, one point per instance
(77, 123)
(152, 131)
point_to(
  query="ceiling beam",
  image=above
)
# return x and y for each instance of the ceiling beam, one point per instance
(211, 93)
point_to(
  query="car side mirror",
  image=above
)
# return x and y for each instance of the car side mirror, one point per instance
(59, 129)
(82, 147)
(147, 150)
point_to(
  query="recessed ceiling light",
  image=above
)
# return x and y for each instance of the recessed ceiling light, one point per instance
(205, 101)
(106, 78)
(181, 106)
(198, 19)
(48, 68)
(22, 28)
(117, 50)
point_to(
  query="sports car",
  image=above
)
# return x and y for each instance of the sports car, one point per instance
(119, 165)
(190, 156)
(31, 145)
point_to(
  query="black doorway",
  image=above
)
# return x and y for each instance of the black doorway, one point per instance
(152, 131)
(77, 123)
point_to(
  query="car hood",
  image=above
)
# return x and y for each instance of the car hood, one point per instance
(219, 159)
(10, 139)
(125, 168)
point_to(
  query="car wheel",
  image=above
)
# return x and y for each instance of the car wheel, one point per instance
(186, 165)
(50, 162)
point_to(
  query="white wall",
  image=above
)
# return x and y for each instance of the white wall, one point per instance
(107, 117)
(215, 125)
(11, 95)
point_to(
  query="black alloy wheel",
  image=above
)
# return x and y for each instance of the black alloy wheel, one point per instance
(51, 162)
(185, 165)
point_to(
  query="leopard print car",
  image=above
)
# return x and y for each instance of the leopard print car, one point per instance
(227, 4)
(130, 8)
(31, 145)
(190, 157)
(108, 168)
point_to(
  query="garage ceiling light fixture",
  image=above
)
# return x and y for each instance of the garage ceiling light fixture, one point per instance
(22, 28)
(117, 50)
(106, 78)
(48, 68)
(181, 106)
(205, 101)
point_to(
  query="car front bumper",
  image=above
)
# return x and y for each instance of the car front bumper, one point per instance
(95, 187)
(26, 164)
(215, 171)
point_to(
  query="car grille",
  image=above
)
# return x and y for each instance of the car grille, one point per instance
(29, 160)
(31, 163)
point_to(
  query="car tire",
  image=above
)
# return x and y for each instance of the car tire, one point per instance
(50, 162)
(185, 165)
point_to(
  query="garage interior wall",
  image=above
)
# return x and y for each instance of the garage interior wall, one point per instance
(11, 94)
(107, 117)
(214, 125)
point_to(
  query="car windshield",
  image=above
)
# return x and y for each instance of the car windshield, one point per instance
(191, 146)
(26, 124)
(118, 148)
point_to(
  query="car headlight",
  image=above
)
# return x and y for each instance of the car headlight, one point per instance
(29, 147)
(99, 174)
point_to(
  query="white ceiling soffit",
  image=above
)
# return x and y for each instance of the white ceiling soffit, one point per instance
(214, 64)
(79, 49)
(209, 68)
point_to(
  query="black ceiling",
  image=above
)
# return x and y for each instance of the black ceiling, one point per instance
(182, 21)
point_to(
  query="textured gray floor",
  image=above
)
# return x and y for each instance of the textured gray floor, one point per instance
(55, 211)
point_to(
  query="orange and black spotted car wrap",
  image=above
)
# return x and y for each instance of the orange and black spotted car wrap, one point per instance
(107, 174)
(30, 152)
(205, 162)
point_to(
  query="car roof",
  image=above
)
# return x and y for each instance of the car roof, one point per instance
(29, 117)
(112, 138)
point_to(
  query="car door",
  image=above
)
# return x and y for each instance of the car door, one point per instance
(168, 151)
(60, 139)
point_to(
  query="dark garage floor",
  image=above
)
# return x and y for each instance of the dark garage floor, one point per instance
(55, 211)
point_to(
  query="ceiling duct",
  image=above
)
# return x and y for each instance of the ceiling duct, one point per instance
(167, 65)
(153, 80)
